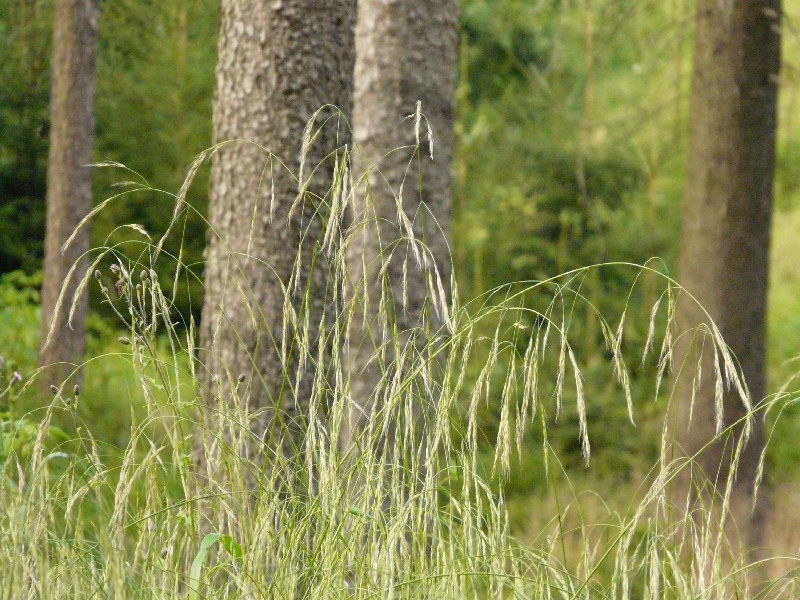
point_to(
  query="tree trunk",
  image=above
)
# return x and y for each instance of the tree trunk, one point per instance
(726, 230)
(406, 52)
(279, 62)
(69, 182)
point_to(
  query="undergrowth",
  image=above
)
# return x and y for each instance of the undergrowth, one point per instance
(412, 509)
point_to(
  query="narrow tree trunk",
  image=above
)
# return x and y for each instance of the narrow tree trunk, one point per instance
(406, 52)
(279, 62)
(69, 182)
(726, 231)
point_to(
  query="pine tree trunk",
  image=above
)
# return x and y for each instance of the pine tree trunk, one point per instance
(69, 182)
(726, 232)
(406, 52)
(279, 62)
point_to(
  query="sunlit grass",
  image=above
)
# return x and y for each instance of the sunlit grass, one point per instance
(184, 500)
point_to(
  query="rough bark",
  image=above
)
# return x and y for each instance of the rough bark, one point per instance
(278, 63)
(69, 182)
(726, 232)
(406, 52)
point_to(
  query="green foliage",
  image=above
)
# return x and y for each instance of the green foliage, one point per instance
(569, 164)
(505, 42)
(155, 87)
(18, 437)
(567, 157)
(153, 111)
(24, 124)
(19, 315)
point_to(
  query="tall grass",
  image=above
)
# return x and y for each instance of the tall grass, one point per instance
(406, 511)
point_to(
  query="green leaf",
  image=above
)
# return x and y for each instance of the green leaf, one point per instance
(231, 546)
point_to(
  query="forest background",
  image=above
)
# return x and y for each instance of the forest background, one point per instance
(570, 152)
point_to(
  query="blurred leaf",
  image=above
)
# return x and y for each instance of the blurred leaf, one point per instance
(231, 546)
